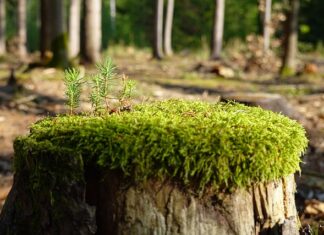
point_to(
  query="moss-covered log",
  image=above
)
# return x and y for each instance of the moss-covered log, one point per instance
(170, 167)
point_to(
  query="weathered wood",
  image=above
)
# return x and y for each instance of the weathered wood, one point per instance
(164, 208)
(157, 207)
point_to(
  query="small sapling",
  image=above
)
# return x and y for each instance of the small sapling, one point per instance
(73, 82)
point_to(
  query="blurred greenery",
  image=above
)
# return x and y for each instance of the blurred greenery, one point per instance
(192, 22)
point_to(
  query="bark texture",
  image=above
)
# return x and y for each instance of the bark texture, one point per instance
(59, 40)
(217, 38)
(22, 31)
(45, 30)
(36, 212)
(163, 208)
(267, 26)
(92, 30)
(291, 39)
(74, 28)
(154, 207)
(112, 4)
(158, 30)
(168, 28)
(2, 27)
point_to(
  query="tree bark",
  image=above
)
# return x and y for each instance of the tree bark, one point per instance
(32, 211)
(158, 31)
(59, 40)
(109, 203)
(260, 23)
(92, 30)
(74, 28)
(22, 31)
(267, 26)
(168, 28)
(45, 30)
(164, 208)
(291, 40)
(112, 5)
(2, 27)
(217, 39)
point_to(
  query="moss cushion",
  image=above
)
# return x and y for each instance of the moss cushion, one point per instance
(195, 143)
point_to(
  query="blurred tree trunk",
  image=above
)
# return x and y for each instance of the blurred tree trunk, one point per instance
(22, 31)
(267, 26)
(74, 28)
(45, 31)
(168, 29)
(217, 38)
(2, 27)
(92, 29)
(59, 35)
(158, 31)
(113, 16)
(291, 39)
(260, 23)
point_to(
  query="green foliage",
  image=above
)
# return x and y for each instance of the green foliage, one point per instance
(95, 95)
(102, 85)
(195, 143)
(128, 89)
(193, 21)
(73, 81)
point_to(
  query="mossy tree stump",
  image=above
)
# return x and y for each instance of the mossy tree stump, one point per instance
(170, 167)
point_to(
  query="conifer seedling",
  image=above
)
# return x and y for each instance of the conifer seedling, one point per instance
(73, 82)
(127, 91)
(102, 84)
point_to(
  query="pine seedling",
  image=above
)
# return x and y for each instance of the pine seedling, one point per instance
(101, 87)
(96, 93)
(102, 83)
(127, 90)
(107, 74)
(73, 83)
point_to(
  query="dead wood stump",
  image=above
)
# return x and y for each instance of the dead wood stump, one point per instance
(171, 167)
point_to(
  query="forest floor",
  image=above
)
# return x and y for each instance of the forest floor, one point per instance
(41, 93)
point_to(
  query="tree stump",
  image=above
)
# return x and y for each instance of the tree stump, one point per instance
(171, 167)
(157, 207)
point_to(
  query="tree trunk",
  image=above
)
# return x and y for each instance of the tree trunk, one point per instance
(22, 32)
(260, 22)
(291, 40)
(113, 16)
(45, 31)
(92, 30)
(59, 35)
(217, 38)
(168, 29)
(267, 26)
(2, 27)
(158, 31)
(74, 28)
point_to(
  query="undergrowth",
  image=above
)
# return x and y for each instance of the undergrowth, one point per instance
(105, 86)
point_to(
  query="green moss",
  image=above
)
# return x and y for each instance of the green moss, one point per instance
(50, 174)
(199, 144)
